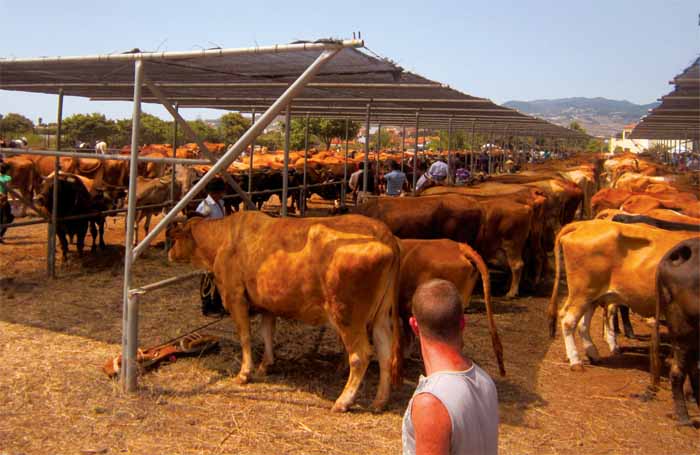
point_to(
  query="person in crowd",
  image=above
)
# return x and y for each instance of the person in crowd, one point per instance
(436, 175)
(395, 180)
(356, 183)
(212, 208)
(6, 216)
(454, 409)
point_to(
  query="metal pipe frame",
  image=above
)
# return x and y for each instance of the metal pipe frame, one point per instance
(210, 53)
(376, 157)
(450, 164)
(285, 169)
(252, 153)
(415, 154)
(302, 199)
(202, 146)
(403, 145)
(343, 85)
(51, 244)
(130, 302)
(166, 282)
(344, 188)
(366, 158)
(235, 150)
(146, 159)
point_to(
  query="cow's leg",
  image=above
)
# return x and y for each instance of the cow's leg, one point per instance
(626, 323)
(358, 349)
(80, 236)
(382, 338)
(268, 334)
(63, 238)
(101, 225)
(570, 314)
(93, 234)
(694, 375)
(609, 330)
(584, 331)
(515, 262)
(236, 304)
(677, 376)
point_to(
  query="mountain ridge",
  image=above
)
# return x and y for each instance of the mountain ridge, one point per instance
(599, 116)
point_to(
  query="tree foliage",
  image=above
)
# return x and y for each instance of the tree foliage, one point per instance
(324, 130)
(87, 128)
(232, 126)
(15, 123)
(576, 126)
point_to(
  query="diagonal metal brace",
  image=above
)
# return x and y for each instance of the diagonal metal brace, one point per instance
(202, 147)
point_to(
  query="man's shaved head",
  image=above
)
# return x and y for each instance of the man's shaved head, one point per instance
(437, 307)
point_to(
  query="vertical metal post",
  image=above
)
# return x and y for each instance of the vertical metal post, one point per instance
(472, 141)
(285, 171)
(173, 172)
(403, 145)
(450, 164)
(51, 253)
(376, 158)
(130, 303)
(365, 162)
(415, 154)
(304, 195)
(344, 187)
(250, 159)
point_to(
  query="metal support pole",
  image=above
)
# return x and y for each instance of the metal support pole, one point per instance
(173, 172)
(235, 150)
(250, 159)
(366, 159)
(306, 159)
(472, 140)
(51, 253)
(285, 170)
(403, 145)
(415, 154)
(450, 164)
(344, 187)
(129, 324)
(376, 158)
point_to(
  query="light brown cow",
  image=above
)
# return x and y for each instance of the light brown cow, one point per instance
(341, 270)
(23, 179)
(606, 263)
(424, 260)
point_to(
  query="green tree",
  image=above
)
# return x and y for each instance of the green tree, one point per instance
(15, 123)
(205, 131)
(273, 140)
(232, 126)
(154, 130)
(325, 131)
(576, 126)
(87, 128)
(386, 141)
(596, 145)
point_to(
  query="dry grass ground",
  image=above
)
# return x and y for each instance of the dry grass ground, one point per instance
(55, 335)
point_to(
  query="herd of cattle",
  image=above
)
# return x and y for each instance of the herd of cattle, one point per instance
(636, 217)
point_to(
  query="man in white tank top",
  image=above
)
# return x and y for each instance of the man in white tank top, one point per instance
(454, 409)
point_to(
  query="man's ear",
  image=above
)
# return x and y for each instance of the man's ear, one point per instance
(414, 325)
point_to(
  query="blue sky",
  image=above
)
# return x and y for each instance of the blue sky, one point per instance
(503, 50)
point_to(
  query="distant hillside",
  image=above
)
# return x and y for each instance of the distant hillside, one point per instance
(599, 116)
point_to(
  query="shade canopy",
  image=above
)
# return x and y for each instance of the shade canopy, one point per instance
(678, 115)
(247, 80)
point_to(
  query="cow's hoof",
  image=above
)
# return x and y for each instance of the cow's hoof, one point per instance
(511, 296)
(577, 367)
(617, 351)
(241, 379)
(378, 406)
(340, 407)
(262, 370)
(686, 422)
(593, 360)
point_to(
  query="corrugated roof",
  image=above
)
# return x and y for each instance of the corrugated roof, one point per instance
(247, 79)
(678, 115)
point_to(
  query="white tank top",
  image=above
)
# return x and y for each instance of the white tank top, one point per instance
(471, 401)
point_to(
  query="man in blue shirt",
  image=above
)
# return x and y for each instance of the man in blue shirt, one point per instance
(395, 180)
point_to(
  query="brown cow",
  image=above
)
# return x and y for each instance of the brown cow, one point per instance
(424, 260)
(678, 294)
(23, 179)
(606, 263)
(345, 269)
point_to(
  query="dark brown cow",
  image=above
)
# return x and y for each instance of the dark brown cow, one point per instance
(346, 273)
(678, 299)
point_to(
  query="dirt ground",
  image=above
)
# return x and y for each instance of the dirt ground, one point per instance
(56, 334)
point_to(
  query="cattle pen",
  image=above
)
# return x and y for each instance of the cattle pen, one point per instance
(276, 79)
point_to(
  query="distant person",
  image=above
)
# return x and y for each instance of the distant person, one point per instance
(6, 216)
(436, 175)
(395, 180)
(454, 409)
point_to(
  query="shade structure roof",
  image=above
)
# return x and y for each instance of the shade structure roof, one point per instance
(678, 115)
(252, 79)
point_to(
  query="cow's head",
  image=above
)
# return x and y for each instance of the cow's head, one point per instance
(183, 245)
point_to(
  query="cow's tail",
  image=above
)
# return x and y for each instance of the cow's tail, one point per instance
(552, 307)
(476, 259)
(654, 359)
(393, 295)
